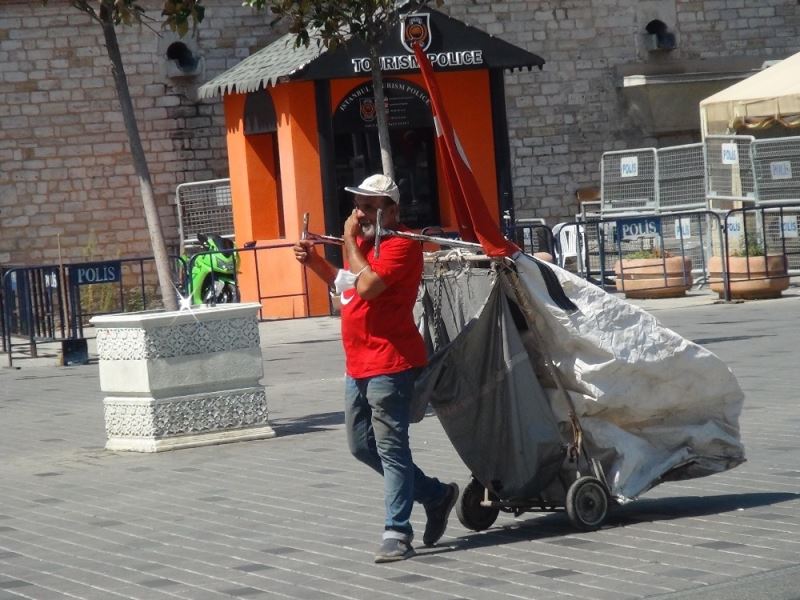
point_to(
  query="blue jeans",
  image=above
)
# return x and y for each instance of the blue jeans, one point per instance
(376, 416)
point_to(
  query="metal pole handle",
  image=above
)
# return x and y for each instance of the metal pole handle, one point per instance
(315, 237)
(381, 232)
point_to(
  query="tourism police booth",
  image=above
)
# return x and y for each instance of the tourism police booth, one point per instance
(301, 125)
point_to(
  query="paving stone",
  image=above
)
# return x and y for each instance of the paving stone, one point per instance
(555, 573)
(8, 584)
(291, 516)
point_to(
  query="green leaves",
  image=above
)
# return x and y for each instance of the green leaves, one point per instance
(180, 14)
(333, 22)
(753, 248)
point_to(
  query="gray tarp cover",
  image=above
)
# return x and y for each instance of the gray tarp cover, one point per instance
(489, 400)
(653, 406)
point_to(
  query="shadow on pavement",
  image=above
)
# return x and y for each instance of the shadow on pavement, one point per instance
(556, 524)
(731, 338)
(307, 423)
(664, 509)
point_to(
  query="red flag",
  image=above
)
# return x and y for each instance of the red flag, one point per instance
(474, 221)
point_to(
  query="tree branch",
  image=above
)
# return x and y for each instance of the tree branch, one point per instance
(83, 6)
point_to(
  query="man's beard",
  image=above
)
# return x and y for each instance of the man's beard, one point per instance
(368, 231)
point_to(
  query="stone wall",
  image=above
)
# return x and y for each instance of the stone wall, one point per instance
(562, 119)
(66, 176)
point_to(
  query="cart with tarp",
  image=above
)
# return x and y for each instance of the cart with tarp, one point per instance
(555, 394)
(559, 396)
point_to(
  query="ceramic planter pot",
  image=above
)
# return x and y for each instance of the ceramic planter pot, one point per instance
(654, 277)
(182, 379)
(751, 277)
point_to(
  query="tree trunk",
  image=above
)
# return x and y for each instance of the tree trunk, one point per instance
(159, 247)
(380, 112)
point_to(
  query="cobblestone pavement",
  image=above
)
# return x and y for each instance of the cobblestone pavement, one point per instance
(296, 517)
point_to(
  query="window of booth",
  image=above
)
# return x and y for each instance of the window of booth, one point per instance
(263, 166)
(357, 151)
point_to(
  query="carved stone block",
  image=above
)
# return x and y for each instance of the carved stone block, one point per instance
(182, 379)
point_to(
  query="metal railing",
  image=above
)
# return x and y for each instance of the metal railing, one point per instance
(261, 276)
(603, 243)
(255, 254)
(48, 303)
(33, 306)
(715, 174)
(653, 180)
(532, 236)
(706, 238)
(763, 240)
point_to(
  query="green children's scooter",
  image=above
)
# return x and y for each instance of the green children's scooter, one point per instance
(212, 279)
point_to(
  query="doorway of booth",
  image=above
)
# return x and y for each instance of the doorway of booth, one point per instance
(357, 155)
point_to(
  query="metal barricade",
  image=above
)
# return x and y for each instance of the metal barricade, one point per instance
(781, 225)
(35, 308)
(590, 210)
(50, 303)
(765, 229)
(762, 251)
(532, 235)
(692, 235)
(776, 170)
(628, 182)
(681, 178)
(116, 286)
(605, 242)
(204, 207)
(729, 168)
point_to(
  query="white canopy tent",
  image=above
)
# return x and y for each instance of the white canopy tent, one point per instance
(769, 97)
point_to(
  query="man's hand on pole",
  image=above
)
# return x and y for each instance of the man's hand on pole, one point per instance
(306, 254)
(304, 251)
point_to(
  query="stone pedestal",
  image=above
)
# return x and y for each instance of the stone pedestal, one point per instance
(182, 379)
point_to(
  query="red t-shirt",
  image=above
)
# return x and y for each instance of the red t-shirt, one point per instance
(379, 335)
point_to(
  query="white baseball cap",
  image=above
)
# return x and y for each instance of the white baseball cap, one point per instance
(377, 185)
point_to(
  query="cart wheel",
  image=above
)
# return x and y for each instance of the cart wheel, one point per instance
(587, 503)
(469, 510)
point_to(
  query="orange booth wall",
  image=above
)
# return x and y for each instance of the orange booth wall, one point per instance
(271, 193)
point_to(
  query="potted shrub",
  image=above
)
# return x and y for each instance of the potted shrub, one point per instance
(653, 273)
(752, 273)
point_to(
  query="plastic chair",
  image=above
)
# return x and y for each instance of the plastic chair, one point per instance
(569, 244)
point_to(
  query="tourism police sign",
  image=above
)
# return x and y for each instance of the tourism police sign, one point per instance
(416, 28)
(449, 44)
(407, 62)
(638, 228)
(109, 271)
